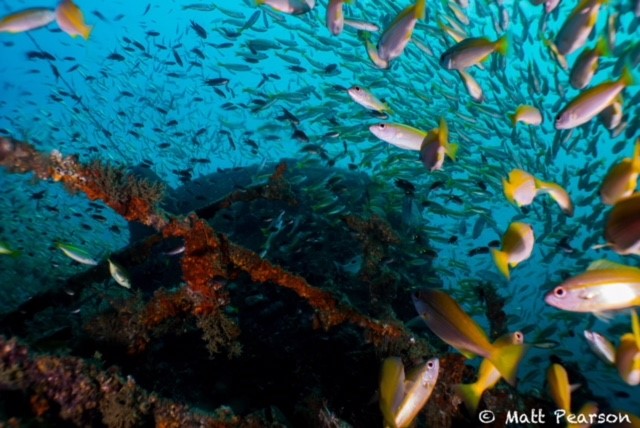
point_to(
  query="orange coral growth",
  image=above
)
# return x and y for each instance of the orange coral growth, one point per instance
(164, 306)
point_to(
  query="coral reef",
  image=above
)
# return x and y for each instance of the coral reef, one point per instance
(73, 390)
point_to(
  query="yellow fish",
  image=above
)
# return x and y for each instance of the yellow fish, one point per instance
(488, 375)
(27, 20)
(521, 189)
(517, 245)
(559, 388)
(526, 114)
(446, 319)
(435, 145)
(628, 353)
(335, 16)
(396, 37)
(71, 21)
(605, 286)
(576, 29)
(622, 179)
(622, 230)
(402, 399)
(592, 102)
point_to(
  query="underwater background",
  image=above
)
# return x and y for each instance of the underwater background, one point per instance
(208, 116)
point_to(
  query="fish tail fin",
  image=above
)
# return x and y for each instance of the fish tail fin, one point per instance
(502, 45)
(470, 394)
(507, 359)
(627, 78)
(513, 117)
(501, 260)
(420, 9)
(602, 47)
(452, 150)
(86, 31)
(443, 138)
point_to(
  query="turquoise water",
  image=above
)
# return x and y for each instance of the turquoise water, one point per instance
(147, 108)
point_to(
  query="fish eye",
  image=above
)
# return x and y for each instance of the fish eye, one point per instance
(518, 336)
(559, 292)
(357, 88)
(381, 126)
(430, 364)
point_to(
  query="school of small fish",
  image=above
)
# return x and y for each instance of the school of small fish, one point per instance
(466, 107)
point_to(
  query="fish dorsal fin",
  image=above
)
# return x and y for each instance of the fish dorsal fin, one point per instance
(603, 264)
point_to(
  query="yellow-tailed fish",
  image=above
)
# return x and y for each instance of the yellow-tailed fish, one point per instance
(417, 390)
(77, 254)
(27, 20)
(446, 319)
(372, 50)
(601, 346)
(366, 99)
(577, 27)
(292, 7)
(520, 189)
(622, 230)
(605, 286)
(119, 274)
(472, 51)
(558, 194)
(488, 375)
(335, 16)
(435, 145)
(473, 88)
(517, 245)
(628, 353)
(361, 25)
(395, 38)
(591, 102)
(526, 114)
(611, 116)
(391, 388)
(5, 249)
(587, 64)
(557, 56)
(456, 35)
(402, 136)
(559, 388)
(622, 179)
(70, 19)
